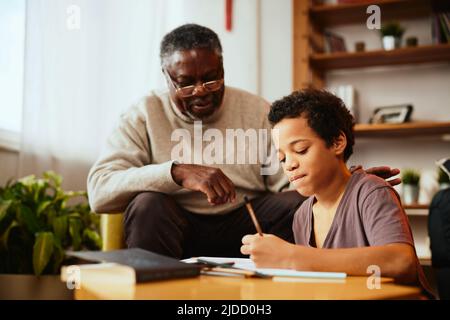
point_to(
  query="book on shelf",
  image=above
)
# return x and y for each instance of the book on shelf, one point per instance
(334, 42)
(440, 27)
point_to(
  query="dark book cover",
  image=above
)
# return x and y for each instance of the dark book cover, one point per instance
(148, 266)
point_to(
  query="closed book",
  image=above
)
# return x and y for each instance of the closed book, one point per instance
(147, 266)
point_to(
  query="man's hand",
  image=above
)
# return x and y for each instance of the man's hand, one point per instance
(386, 172)
(218, 188)
(268, 251)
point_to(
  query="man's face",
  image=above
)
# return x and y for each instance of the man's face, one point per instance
(195, 67)
(306, 160)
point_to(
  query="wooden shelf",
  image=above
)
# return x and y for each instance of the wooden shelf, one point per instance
(416, 206)
(344, 60)
(402, 129)
(348, 13)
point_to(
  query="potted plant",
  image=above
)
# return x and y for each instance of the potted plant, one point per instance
(410, 180)
(391, 35)
(443, 179)
(37, 224)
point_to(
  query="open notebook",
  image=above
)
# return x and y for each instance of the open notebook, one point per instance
(277, 274)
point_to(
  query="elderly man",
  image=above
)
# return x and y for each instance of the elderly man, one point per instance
(193, 206)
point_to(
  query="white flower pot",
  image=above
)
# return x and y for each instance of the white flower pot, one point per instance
(410, 194)
(391, 42)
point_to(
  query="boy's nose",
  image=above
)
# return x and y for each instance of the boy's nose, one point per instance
(291, 165)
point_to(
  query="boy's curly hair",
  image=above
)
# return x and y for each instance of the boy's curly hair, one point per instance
(326, 115)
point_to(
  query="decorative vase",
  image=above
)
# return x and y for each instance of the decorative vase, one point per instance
(410, 194)
(391, 42)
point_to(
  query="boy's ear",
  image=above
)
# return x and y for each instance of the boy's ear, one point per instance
(339, 144)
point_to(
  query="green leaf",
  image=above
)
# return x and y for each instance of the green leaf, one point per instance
(42, 251)
(75, 232)
(91, 239)
(60, 227)
(28, 218)
(6, 215)
(58, 257)
(28, 181)
(42, 206)
(53, 177)
(4, 238)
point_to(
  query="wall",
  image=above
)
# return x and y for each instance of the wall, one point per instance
(258, 50)
(8, 165)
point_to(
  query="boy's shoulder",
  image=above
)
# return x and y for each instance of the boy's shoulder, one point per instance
(362, 185)
(366, 183)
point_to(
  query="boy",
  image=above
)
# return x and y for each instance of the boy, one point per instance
(351, 220)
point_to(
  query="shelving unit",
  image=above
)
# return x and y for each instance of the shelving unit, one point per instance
(402, 56)
(416, 206)
(410, 129)
(311, 64)
(328, 15)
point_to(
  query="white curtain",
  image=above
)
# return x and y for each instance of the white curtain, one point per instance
(85, 62)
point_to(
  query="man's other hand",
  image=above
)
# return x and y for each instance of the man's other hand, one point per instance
(217, 187)
(386, 172)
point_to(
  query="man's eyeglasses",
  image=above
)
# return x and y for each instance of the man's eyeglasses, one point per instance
(188, 91)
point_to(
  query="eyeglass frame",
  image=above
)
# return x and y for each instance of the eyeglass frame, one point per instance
(178, 88)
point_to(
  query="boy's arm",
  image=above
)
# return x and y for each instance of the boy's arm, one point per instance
(396, 260)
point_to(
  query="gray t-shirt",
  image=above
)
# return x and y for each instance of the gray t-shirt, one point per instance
(369, 214)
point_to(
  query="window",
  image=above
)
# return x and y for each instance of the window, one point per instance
(12, 44)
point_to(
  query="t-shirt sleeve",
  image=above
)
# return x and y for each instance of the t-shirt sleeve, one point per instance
(384, 219)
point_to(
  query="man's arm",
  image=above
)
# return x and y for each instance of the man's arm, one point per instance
(383, 172)
(124, 168)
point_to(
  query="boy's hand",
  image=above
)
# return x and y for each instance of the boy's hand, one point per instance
(267, 251)
(383, 172)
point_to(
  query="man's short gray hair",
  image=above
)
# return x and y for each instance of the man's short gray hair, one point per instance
(187, 37)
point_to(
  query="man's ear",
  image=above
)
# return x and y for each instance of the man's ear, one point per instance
(339, 144)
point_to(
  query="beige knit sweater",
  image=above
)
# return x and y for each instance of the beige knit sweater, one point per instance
(138, 154)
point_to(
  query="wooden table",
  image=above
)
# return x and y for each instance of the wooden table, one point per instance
(235, 288)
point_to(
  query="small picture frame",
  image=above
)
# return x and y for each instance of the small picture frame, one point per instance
(444, 164)
(393, 114)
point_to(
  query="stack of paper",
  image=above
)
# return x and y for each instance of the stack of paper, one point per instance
(277, 274)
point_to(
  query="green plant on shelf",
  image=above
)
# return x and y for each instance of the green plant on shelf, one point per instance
(410, 177)
(392, 29)
(37, 224)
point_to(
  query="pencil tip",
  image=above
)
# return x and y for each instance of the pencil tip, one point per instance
(246, 199)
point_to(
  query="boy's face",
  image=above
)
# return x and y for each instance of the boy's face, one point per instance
(304, 156)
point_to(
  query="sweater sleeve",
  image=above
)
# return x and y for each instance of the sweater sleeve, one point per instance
(125, 167)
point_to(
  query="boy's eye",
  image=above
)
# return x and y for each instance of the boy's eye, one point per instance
(302, 151)
(282, 160)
